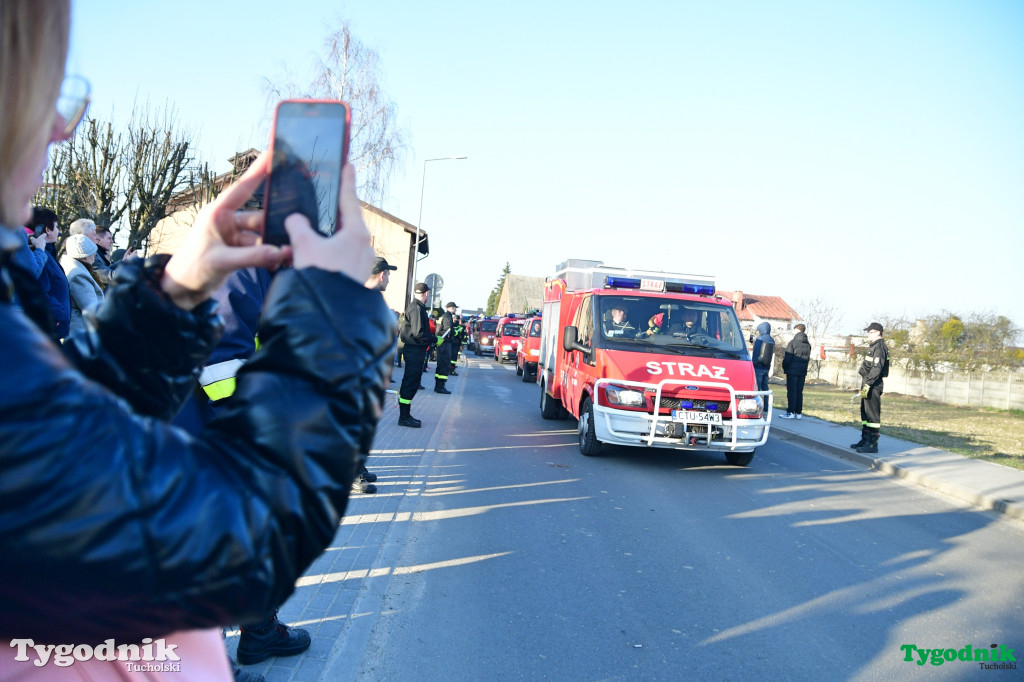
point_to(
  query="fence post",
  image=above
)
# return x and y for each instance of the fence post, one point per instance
(969, 374)
(983, 388)
(945, 382)
(1009, 377)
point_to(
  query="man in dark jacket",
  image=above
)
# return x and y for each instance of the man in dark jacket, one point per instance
(873, 369)
(416, 336)
(445, 343)
(52, 279)
(794, 364)
(763, 354)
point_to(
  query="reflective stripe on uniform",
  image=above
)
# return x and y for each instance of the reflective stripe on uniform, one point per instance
(218, 380)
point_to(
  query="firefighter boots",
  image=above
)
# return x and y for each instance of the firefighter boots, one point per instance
(863, 438)
(405, 418)
(871, 447)
(439, 386)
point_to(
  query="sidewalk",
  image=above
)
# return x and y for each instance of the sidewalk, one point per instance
(981, 483)
(361, 558)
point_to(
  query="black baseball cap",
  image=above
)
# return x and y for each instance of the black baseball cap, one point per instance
(381, 265)
(450, 305)
(874, 326)
(421, 288)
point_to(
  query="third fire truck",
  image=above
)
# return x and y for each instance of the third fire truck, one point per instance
(649, 359)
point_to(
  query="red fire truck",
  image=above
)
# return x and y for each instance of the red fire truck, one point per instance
(506, 338)
(649, 359)
(529, 349)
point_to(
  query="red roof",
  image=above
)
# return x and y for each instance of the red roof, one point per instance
(758, 306)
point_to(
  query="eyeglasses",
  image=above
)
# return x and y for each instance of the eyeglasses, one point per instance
(73, 102)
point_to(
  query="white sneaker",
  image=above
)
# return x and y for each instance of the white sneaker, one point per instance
(787, 416)
(799, 416)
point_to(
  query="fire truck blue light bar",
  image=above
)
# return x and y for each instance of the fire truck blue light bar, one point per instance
(613, 282)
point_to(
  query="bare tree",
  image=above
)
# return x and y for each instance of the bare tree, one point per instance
(821, 317)
(157, 161)
(84, 178)
(348, 70)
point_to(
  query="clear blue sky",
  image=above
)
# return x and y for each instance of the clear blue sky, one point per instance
(869, 154)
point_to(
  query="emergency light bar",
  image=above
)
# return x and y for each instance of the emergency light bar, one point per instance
(614, 282)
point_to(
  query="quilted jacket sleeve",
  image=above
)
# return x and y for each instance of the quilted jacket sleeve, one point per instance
(115, 524)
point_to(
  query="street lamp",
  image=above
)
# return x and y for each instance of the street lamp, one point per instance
(423, 183)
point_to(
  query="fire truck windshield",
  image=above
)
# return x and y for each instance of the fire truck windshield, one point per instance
(511, 329)
(668, 321)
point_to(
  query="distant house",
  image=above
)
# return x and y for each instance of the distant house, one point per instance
(520, 294)
(753, 309)
(392, 238)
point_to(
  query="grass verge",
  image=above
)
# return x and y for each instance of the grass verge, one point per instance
(981, 433)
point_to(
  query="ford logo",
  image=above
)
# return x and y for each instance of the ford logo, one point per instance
(691, 388)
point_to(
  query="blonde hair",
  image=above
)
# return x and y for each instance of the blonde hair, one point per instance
(33, 50)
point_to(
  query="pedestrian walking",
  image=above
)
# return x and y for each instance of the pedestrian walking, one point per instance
(794, 365)
(763, 354)
(416, 336)
(873, 370)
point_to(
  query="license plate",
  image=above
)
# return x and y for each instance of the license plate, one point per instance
(697, 417)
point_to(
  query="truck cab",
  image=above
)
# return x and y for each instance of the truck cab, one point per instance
(506, 338)
(484, 337)
(528, 351)
(649, 359)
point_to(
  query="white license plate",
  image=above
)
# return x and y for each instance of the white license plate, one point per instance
(697, 417)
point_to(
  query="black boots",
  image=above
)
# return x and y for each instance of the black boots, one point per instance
(871, 446)
(863, 438)
(439, 386)
(270, 638)
(406, 419)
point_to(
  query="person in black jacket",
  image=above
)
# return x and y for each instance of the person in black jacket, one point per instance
(794, 364)
(873, 370)
(114, 523)
(445, 343)
(416, 336)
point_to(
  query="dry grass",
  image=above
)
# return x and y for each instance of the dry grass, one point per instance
(982, 433)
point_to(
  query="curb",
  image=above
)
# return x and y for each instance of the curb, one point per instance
(979, 499)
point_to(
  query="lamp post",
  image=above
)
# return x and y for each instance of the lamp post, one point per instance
(423, 184)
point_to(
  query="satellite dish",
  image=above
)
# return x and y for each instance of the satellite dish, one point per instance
(435, 282)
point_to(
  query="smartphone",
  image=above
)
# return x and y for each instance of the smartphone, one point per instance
(135, 245)
(309, 146)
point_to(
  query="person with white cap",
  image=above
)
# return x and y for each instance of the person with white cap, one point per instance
(86, 292)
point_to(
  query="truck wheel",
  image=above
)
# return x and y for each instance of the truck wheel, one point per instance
(519, 370)
(589, 444)
(549, 407)
(528, 376)
(739, 459)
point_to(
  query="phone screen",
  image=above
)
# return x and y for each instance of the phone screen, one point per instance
(310, 146)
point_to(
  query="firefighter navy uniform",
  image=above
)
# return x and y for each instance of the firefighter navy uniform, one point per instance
(416, 336)
(445, 343)
(873, 370)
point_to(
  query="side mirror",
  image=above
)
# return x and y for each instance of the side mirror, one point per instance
(570, 340)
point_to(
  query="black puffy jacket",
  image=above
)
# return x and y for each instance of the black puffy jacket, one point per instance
(798, 355)
(114, 523)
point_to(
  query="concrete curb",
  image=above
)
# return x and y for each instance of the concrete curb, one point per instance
(923, 474)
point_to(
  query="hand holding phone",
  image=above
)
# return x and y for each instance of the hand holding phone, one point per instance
(309, 147)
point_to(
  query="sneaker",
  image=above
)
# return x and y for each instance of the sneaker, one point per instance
(361, 486)
(788, 416)
(799, 416)
(274, 639)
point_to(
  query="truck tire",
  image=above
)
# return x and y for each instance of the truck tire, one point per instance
(519, 370)
(549, 407)
(528, 376)
(590, 446)
(739, 459)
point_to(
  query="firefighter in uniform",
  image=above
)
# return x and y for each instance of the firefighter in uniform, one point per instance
(445, 343)
(458, 338)
(415, 334)
(874, 368)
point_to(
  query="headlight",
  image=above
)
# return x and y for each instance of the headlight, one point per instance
(625, 397)
(750, 407)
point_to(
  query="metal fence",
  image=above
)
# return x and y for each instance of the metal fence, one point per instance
(1001, 390)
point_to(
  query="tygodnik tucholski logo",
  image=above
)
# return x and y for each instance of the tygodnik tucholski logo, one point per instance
(993, 657)
(150, 656)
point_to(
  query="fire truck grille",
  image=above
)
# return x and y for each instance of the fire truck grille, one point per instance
(675, 404)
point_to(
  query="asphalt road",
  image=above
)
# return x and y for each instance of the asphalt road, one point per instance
(524, 560)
